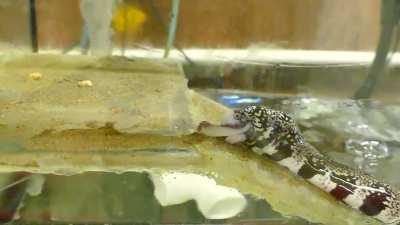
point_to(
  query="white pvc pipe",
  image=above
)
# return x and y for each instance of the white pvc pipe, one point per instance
(214, 201)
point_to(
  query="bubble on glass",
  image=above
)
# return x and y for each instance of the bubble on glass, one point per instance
(367, 153)
(308, 108)
(360, 127)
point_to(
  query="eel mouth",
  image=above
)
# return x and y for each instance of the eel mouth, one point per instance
(229, 127)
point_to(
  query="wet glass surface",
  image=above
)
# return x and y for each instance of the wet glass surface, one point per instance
(349, 131)
(363, 134)
(107, 198)
(253, 49)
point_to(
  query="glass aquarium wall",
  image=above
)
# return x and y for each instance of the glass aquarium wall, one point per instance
(101, 98)
(310, 45)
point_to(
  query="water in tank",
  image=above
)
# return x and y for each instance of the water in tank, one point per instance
(199, 112)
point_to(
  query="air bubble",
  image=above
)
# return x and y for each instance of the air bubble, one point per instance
(367, 153)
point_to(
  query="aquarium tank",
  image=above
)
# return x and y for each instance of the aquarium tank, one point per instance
(255, 112)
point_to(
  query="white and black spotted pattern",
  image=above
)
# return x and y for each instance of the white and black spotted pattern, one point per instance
(274, 134)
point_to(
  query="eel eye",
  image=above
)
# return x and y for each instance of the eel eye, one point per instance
(236, 115)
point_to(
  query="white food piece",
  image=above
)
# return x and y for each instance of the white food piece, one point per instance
(85, 83)
(35, 76)
(220, 131)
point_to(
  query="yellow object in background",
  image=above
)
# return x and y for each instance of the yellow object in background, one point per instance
(128, 18)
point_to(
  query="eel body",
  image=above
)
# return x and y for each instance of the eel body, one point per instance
(274, 134)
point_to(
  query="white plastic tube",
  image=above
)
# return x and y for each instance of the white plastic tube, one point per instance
(214, 201)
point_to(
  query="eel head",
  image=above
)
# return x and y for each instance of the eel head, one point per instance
(248, 123)
(233, 127)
